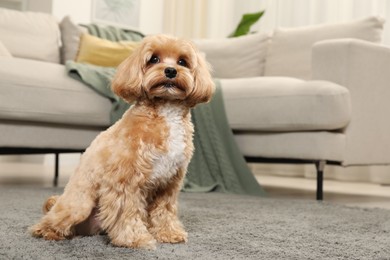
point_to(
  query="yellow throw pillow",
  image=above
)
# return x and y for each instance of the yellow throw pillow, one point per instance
(103, 52)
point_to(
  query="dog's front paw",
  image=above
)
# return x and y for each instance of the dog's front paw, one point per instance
(144, 241)
(45, 232)
(171, 235)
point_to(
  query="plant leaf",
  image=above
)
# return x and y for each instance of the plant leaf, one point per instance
(245, 24)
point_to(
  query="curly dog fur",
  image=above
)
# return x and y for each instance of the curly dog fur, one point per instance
(128, 179)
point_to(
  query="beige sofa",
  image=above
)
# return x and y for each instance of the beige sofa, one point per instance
(285, 98)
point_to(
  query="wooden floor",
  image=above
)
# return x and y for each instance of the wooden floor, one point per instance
(346, 193)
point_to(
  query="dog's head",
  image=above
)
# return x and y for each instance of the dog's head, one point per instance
(167, 68)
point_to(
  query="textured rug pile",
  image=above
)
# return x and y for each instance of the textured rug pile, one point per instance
(220, 226)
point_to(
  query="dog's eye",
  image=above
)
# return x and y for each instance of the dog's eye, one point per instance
(182, 62)
(154, 59)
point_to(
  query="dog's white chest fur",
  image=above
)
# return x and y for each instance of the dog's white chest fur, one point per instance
(166, 165)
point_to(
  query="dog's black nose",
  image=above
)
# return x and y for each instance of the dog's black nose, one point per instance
(170, 72)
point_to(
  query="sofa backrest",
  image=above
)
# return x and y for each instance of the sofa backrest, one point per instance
(30, 35)
(286, 53)
(240, 57)
(289, 51)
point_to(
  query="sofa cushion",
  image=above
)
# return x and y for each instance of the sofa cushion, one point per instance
(289, 52)
(102, 52)
(4, 52)
(30, 35)
(285, 104)
(41, 91)
(316, 145)
(236, 57)
(70, 35)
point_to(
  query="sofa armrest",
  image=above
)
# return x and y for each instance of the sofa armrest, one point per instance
(363, 68)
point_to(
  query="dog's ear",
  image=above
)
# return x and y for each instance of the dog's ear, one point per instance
(203, 83)
(127, 82)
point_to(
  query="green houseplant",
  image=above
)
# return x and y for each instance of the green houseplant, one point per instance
(245, 24)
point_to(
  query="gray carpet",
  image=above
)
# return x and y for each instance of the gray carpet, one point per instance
(220, 226)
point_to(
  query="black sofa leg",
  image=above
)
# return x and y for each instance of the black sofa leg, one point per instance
(56, 170)
(320, 165)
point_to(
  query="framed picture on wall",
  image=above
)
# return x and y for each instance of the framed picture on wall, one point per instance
(121, 13)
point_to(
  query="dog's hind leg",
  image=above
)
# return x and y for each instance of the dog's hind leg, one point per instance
(69, 209)
(49, 203)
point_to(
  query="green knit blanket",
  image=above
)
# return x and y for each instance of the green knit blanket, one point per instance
(217, 163)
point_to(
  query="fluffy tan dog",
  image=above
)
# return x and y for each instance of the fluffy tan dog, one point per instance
(129, 178)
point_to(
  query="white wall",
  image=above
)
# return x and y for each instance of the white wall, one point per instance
(79, 10)
(151, 16)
